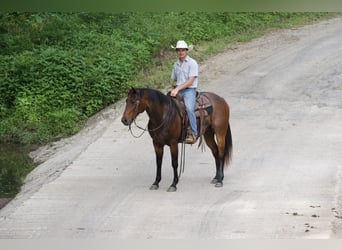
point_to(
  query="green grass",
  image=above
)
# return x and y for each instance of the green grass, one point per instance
(15, 165)
(58, 69)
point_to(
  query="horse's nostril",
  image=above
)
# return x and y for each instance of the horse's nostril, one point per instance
(124, 121)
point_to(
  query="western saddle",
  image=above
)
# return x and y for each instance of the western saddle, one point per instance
(203, 108)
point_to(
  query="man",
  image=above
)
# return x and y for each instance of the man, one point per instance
(185, 79)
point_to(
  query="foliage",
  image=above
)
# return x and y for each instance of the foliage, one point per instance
(14, 168)
(57, 69)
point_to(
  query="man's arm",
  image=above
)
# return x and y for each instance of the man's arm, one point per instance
(184, 85)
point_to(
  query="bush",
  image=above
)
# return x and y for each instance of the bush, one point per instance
(57, 69)
(14, 167)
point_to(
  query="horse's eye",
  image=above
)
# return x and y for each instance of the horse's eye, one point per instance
(130, 101)
(133, 102)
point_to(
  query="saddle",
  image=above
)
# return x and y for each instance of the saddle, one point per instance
(203, 108)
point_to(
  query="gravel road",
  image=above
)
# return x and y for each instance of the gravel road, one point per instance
(285, 180)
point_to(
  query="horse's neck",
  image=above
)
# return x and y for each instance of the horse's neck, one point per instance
(155, 111)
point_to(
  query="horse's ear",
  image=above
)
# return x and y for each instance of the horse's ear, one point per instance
(132, 91)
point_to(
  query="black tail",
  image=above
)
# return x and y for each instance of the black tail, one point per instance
(228, 148)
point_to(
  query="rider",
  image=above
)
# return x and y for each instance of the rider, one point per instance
(185, 79)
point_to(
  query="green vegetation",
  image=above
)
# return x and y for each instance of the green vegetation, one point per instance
(14, 166)
(57, 69)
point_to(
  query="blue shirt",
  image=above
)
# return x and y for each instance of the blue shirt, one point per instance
(181, 72)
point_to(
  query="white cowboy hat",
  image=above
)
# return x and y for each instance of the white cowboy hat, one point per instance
(183, 45)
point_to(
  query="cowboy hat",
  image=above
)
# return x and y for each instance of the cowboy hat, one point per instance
(183, 45)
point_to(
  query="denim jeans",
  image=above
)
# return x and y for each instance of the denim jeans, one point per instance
(189, 96)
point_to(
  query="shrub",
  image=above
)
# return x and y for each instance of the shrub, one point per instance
(56, 69)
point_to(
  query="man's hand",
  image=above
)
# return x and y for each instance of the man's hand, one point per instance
(174, 92)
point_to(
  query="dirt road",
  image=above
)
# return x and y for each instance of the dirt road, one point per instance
(285, 181)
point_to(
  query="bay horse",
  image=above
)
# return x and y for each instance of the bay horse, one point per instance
(165, 128)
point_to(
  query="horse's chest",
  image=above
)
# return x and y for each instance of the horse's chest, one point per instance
(155, 136)
(163, 137)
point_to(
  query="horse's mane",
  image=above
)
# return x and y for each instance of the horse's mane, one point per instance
(158, 97)
(155, 95)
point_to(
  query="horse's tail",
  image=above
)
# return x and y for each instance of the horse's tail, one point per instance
(228, 148)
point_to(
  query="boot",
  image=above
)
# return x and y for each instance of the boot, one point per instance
(190, 137)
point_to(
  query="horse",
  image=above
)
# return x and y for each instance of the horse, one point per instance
(165, 127)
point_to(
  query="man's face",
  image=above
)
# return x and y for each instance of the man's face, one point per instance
(182, 53)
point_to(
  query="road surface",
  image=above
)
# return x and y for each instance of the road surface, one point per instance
(285, 180)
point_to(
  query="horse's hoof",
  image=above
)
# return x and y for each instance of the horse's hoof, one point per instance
(172, 189)
(219, 184)
(214, 181)
(154, 187)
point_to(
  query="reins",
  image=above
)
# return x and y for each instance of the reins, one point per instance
(182, 160)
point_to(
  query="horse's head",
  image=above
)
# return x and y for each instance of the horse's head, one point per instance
(133, 106)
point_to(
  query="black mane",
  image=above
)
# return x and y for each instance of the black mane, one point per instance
(155, 95)
(160, 98)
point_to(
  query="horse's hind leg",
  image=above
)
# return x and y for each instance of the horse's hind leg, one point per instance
(210, 140)
(159, 150)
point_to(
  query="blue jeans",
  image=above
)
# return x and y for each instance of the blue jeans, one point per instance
(189, 96)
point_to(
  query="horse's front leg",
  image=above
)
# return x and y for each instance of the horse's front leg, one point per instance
(174, 159)
(159, 150)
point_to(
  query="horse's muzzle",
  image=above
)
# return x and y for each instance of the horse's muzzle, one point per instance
(125, 121)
